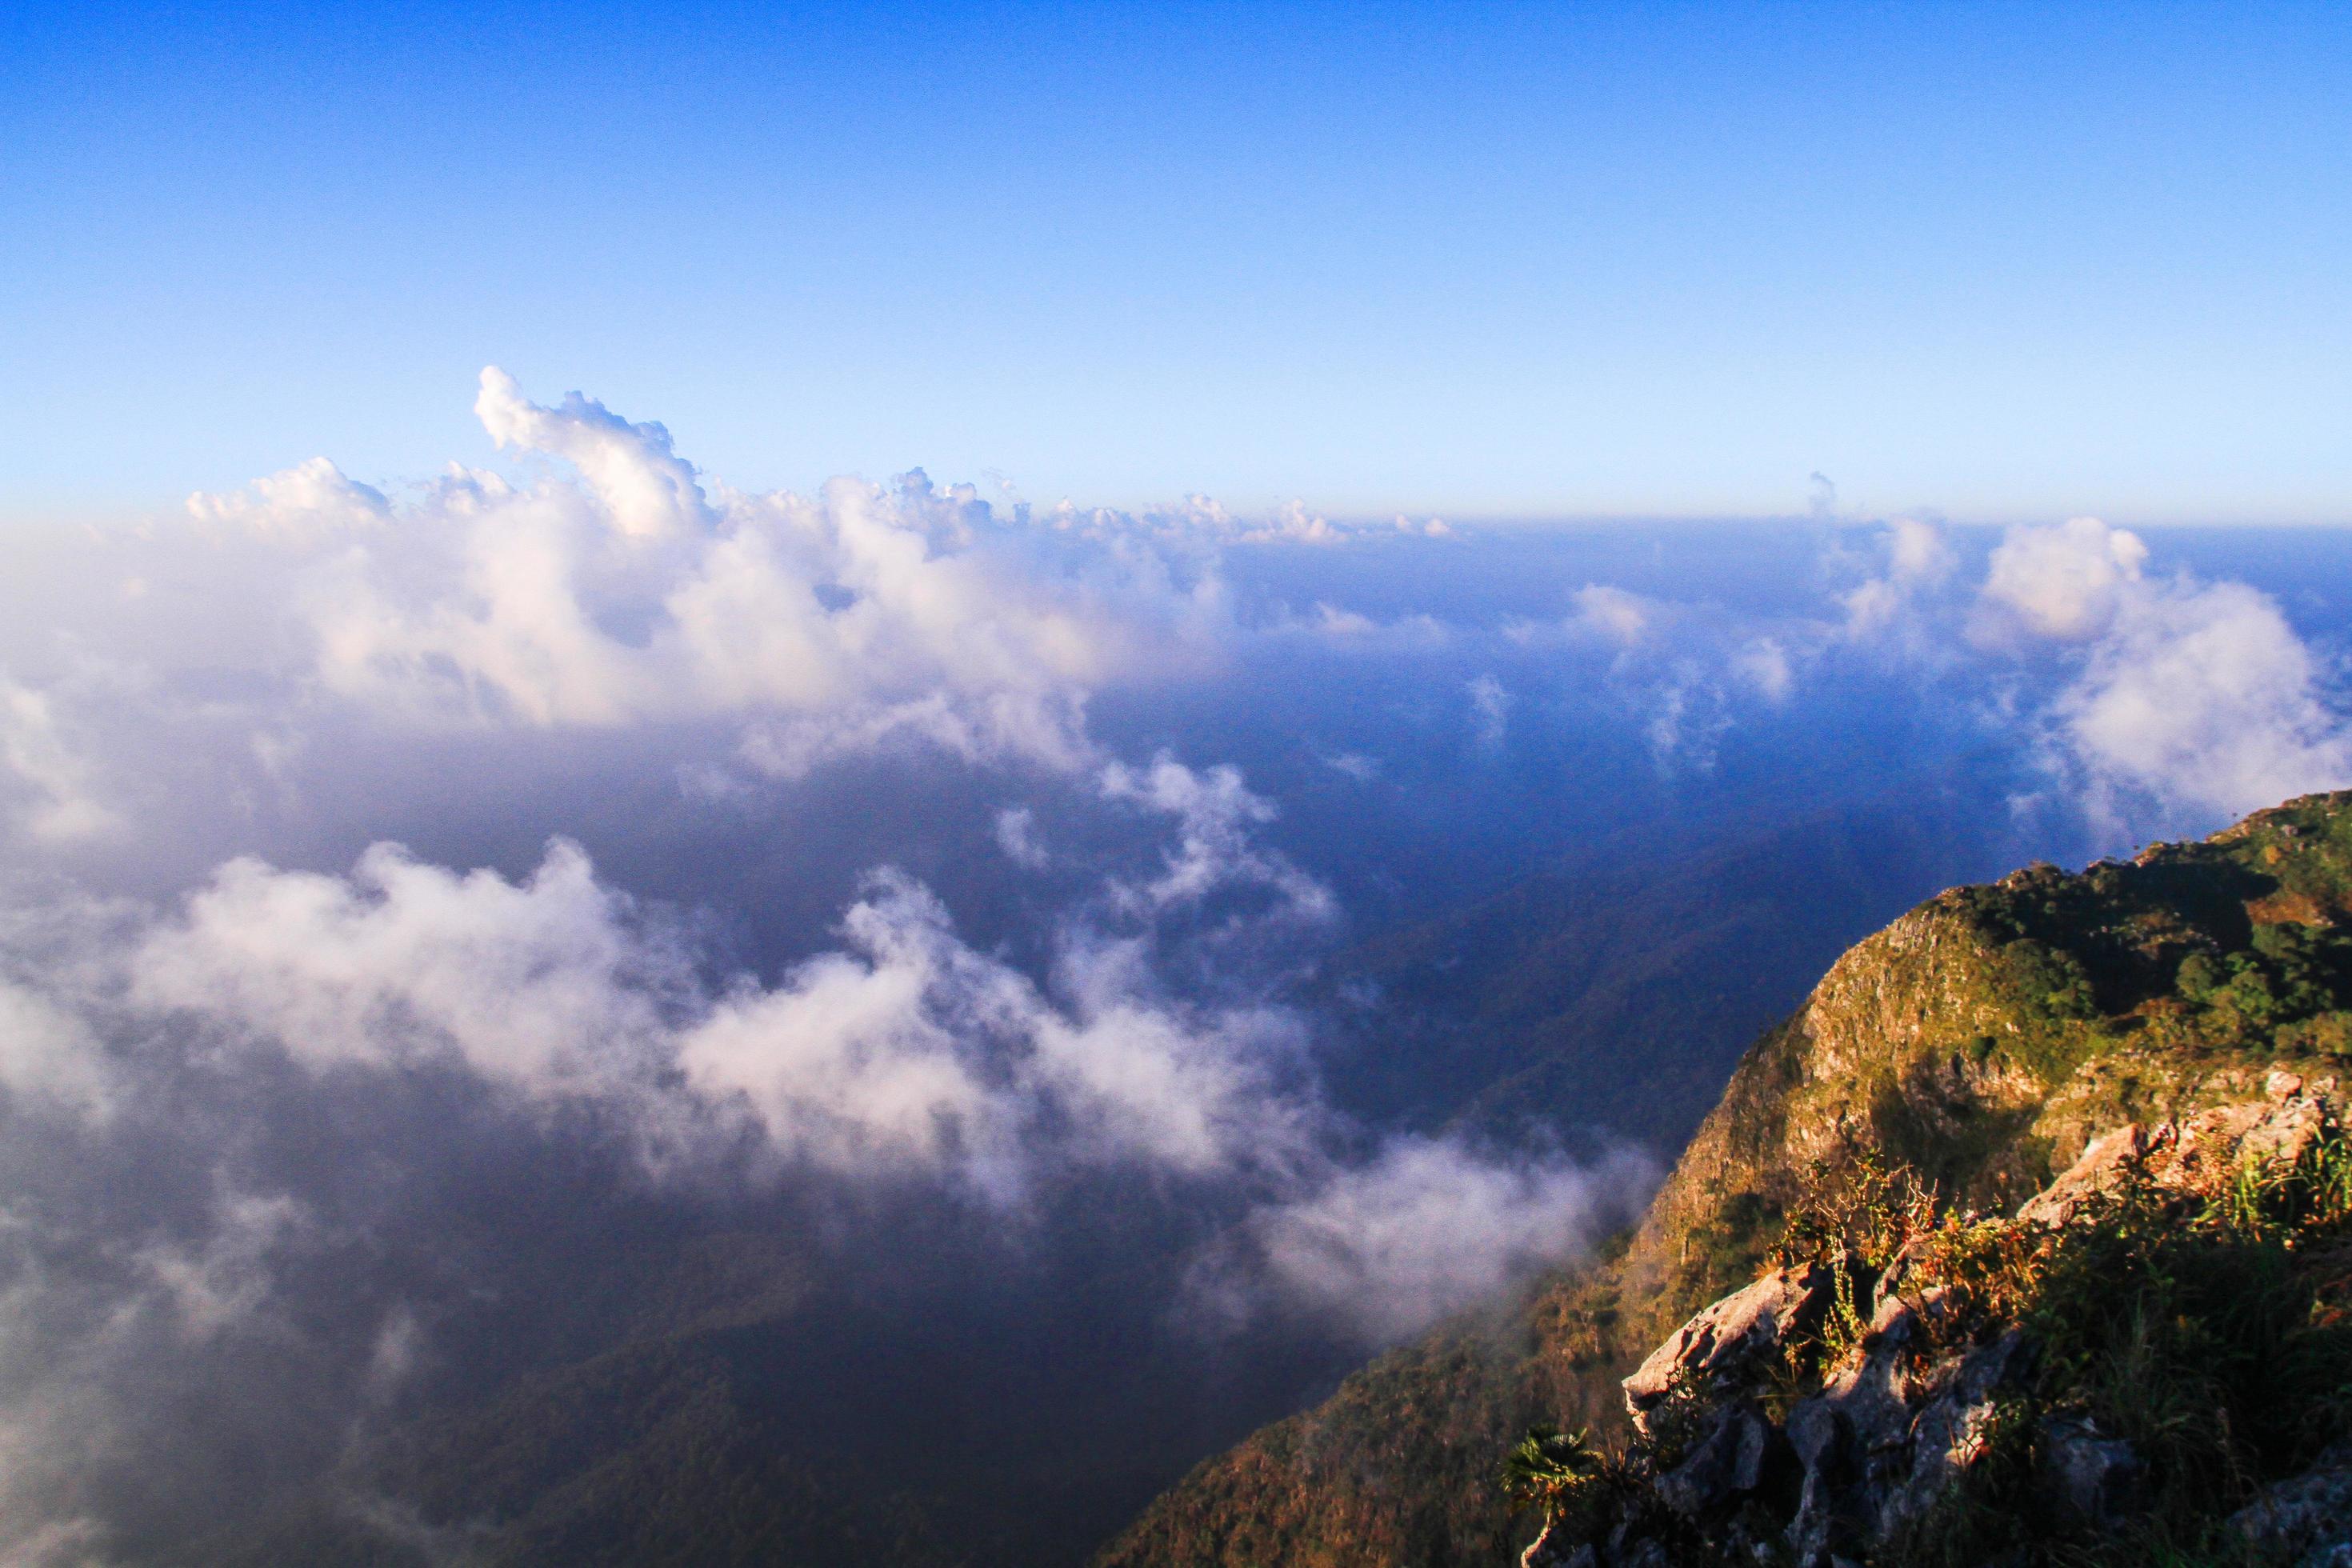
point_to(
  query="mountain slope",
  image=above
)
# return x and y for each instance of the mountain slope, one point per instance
(1982, 1038)
(1618, 988)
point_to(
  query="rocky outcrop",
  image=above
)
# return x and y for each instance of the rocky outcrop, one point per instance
(2092, 1481)
(2182, 1156)
(2149, 1022)
(1726, 1345)
(1901, 1414)
(2306, 1520)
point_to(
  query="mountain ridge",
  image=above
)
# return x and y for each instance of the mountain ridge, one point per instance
(1982, 1038)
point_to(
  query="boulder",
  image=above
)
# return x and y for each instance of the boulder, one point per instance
(2307, 1520)
(1949, 1433)
(1731, 1339)
(2093, 1481)
(2203, 1149)
(2099, 1167)
(1880, 1445)
(1738, 1458)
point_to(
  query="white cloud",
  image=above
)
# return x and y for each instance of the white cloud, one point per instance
(47, 1054)
(54, 1544)
(220, 1282)
(2203, 697)
(905, 1052)
(646, 491)
(1614, 614)
(1762, 663)
(541, 986)
(1490, 710)
(2066, 583)
(1603, 615)
(55, 793)
(1335, 622)
(1215, 813)
(306, 503)
(1429, 1227)
(637, 593)
(1687, 719)
(877, 1057)
(1918, 559)
(2185, 697)
(1017, 834)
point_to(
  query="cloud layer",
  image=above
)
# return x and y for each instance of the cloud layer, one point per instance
(271, 1099)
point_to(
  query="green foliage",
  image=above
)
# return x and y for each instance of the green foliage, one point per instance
(2197, 978)
(1864, 1207)
(2051, 981)
(1556, 1472)
(2199, 1323)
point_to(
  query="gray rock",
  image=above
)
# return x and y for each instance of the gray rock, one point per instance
(2309, 1517)
(1853, 1439)
(1878, 1446)
(2096, 1481)
(1733, 1460)
(1948, 1434)
(2101, 1165)
(1729, 1338)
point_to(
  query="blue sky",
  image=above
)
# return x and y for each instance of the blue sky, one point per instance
(2001, 262)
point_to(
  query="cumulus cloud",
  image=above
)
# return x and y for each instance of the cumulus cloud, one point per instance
(49, 1055)
(1017, 834)
(1687, 717)
(2066, 583)
(2192, 697)
(646, 491)
(2159, 703)
(1916, 559)
(223, 1280)
(1614, 614)
(1216, 815)
(2205, 698)
(1764, 665)
(1601, 615)
(904, 1051)
(541, 986)
(630, 590)
(307, 502)
(1118, 998)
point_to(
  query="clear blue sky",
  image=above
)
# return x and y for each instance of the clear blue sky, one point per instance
(1465, 259)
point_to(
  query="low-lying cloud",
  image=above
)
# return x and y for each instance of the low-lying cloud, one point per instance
(320, 992)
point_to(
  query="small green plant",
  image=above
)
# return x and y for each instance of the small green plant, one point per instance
(1559, 1473)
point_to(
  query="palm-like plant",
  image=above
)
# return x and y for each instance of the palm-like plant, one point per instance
(1547, 1468)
